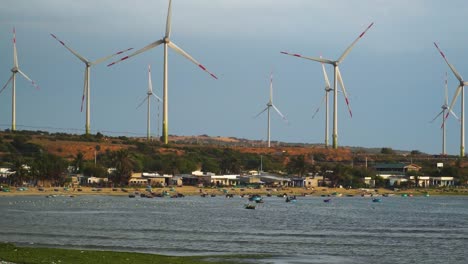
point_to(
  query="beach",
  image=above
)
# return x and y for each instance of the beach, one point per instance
(222, 191)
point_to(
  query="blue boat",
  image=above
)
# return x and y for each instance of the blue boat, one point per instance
(376, 200)
(327, 200)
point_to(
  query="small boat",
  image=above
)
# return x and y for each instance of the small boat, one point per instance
(327, 200)
(376, 200)
(259, 201)
(249, 206)
(131, 195)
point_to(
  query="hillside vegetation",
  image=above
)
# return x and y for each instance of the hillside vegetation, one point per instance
(52, 153)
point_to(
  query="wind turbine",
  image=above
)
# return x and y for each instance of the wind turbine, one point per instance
(328, 89)
(12, 79)
(87, 73)
(337, 78)
(442, 113)
(148, 98)
(167, 43)
(461, 85)
(270, 105)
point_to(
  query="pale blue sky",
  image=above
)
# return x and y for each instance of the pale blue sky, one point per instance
(394, 75)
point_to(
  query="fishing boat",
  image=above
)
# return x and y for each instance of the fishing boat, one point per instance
(249, 206)
(376, 200)
(327, 200)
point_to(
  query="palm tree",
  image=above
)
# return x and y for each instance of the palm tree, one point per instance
(123, 163)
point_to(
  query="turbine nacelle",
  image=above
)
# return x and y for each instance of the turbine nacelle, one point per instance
(166, 40)
(14, 69)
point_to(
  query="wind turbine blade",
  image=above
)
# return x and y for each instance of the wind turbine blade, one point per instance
(27, 78)
(278, 111)
(150, 84)
(148, 47)
(15, 53)
(84, 88)
(266, 108)
(455, 72)
(344, 90)
(71, 50)
(441, 112)
(144, 100)
(308, 58)
(186, 55)
(168, 21)
(348, 50)
(453, 100)
(320, 105)
(454, 115)
(446, 89)
(157, 97)
(110, 56)
(6, 84)
(271, 87)
(325, 76)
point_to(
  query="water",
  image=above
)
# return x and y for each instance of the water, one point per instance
(346, 230)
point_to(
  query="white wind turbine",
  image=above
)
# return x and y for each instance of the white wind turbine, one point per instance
(270, 105)
(12, 79)
(148, 98)
(443, 113)
(337, 78)
(328, 89)
(167, 43)
(87, 73)
(460, 87)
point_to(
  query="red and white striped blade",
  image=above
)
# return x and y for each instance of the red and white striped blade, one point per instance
(70, 49)
(186, 55)
(15, 53)
(29, 79)
(168, 21)
(455, 72)
(348, 50)
(110, 56)
(148, 47)
(6, 84)
(340, 79)
(308, 58)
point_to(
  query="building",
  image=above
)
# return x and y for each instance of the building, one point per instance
(395, 168)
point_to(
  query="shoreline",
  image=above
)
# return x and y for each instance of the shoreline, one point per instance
(196, 191)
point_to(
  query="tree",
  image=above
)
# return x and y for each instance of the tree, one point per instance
(297, 165)
(78, 162)
(123, 164)
(387, 151)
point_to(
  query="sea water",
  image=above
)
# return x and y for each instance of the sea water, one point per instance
(346, 230)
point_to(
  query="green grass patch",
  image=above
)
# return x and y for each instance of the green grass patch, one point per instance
(30, 255)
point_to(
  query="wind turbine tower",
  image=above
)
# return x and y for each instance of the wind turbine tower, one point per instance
(166, 40)
(12, 79)
(271, 105)
(337, 78)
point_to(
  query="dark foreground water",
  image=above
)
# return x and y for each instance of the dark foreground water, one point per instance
(346, 230)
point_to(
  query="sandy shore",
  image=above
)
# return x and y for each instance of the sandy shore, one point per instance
(191, 190)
